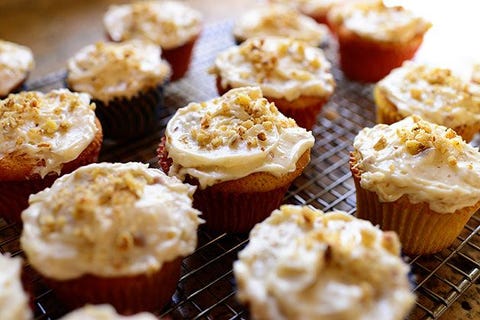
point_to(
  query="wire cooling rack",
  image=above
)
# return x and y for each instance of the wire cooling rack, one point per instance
(206, 289)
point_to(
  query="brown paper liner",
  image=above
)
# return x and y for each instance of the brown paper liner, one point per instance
(179, 58)
(237, 205)
(368, 60)
(420, 229)
(15, 191)
(128, 118)
(388, 113)
(129, 294)
(304, 109)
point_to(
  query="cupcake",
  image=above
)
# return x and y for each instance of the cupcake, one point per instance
(240, 151)
(44, 135)
(104, 312)
(172, 25)
(435, 94)
(417, 178)
(111, 233)
(301, 263)
(375, 38)
(125, 81)
(292, 74)
(476, 73)
(316, 9)
(16, 63)
(14, 301)
(278, 20)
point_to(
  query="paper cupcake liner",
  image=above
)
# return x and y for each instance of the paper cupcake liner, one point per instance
(14, 194)
(420, 229)
(179, 58)
(388, 113)
(369, 61)
(128, 295)
(127, 118)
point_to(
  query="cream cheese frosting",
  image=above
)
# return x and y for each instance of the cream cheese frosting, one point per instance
(303, 264)
(14, 302)
(433, 93)
(279, 20)
(233, 136)
(311, 7)
(282, 67)
(169, 24)
(375, 20)
(104, 312)
(16, 61)
(107, 70)
(424, 161)
(109, 220)
(53, 128)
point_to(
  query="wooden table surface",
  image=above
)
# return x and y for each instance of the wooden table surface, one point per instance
(57, 29)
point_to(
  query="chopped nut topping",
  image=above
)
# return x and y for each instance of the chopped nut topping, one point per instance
(381, 144)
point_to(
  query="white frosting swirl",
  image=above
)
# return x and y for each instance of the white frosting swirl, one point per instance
(14, 302)
(16, 62)
(108, 70)
(426, 162)
(109, 220)
(279, 20)
(282, 67)
(104, 312)
(52, 128)
(233, 136)
(169, 24)
(375, 20)
(303, 264)
(311, 7)
(435, 94)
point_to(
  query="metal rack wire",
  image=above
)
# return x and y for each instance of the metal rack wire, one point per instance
(206, 289)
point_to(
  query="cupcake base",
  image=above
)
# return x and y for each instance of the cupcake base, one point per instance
(17, 183)
(179, 58)
(237, 205)
(387, 112)
(129, 295)
(420, 229)
(128, 118)
(366, 60)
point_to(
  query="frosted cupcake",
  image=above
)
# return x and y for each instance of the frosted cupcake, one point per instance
(104, 312)
(435, 94)
(316, 9)
(278, 20)
(111, 233)
(418, 179)
(292, 74)
(172, 25)
(241, 152)
(303, 264)
(375, 38)
(16, 63)
(125, 81)
(43, 135)
(14, 301)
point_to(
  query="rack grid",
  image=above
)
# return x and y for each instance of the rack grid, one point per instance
(206, 289)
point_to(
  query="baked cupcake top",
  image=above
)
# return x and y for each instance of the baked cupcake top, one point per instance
(14, 302)
(107, 70)
(279, 20)
(233, 136)
(303, 264)
(16, 62)
(374, 20)
(424, 161)
(169, 24)
(49, 129)
(282, 67)
(435, 94)
(104, 312)
(109, 219)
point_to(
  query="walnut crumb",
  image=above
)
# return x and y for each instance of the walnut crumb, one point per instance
(381, 144)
